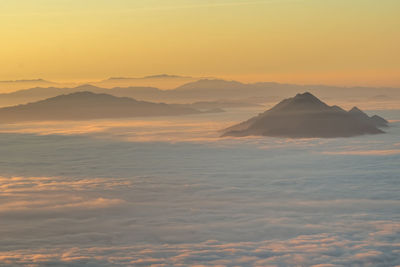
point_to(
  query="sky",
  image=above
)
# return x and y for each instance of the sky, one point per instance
(298, 41)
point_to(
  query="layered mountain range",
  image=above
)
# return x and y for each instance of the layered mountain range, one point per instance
(204, 90)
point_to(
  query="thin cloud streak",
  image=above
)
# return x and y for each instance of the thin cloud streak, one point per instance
(153, 8)
(365, 152)
(244, 3)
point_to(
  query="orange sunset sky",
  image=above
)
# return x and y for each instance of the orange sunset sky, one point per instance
(338, 42)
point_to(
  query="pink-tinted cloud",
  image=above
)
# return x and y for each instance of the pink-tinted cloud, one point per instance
(316, 250)
(365, 152)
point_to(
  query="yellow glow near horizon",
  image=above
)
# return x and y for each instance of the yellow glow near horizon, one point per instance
(319, 41)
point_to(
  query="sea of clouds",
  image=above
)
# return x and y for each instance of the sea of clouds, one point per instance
(172, 193)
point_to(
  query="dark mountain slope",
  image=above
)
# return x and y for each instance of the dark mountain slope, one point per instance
(88, 105)
(305, 116)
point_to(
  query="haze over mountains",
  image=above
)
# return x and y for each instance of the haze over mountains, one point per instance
(305, 116)
(88, 105)
(13, 85)
(162, 81)
(209, 90)
(302, 116)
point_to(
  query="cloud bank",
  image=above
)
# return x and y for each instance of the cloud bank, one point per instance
(95, 195)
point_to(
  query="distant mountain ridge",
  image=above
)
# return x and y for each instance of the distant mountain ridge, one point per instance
(162, 81)
(208, 90)
(86, 106)
(305, 116)
(14, 85)
(25, 81)
(159, 76)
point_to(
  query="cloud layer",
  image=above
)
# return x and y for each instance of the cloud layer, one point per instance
(309, 250)
(103, 197)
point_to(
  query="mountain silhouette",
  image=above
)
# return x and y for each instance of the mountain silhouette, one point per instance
(88, 105)
(189, 90)
(305, 116)
(26, 81)
(162, 81)
(211, 84)
(13, 85)
(158, 76)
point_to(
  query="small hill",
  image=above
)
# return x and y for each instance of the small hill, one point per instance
(305, 116)
(88, 105)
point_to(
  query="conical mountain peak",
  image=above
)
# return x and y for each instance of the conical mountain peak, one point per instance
(306, 97)
(356, 110)
(301, 102)
(305, 116)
